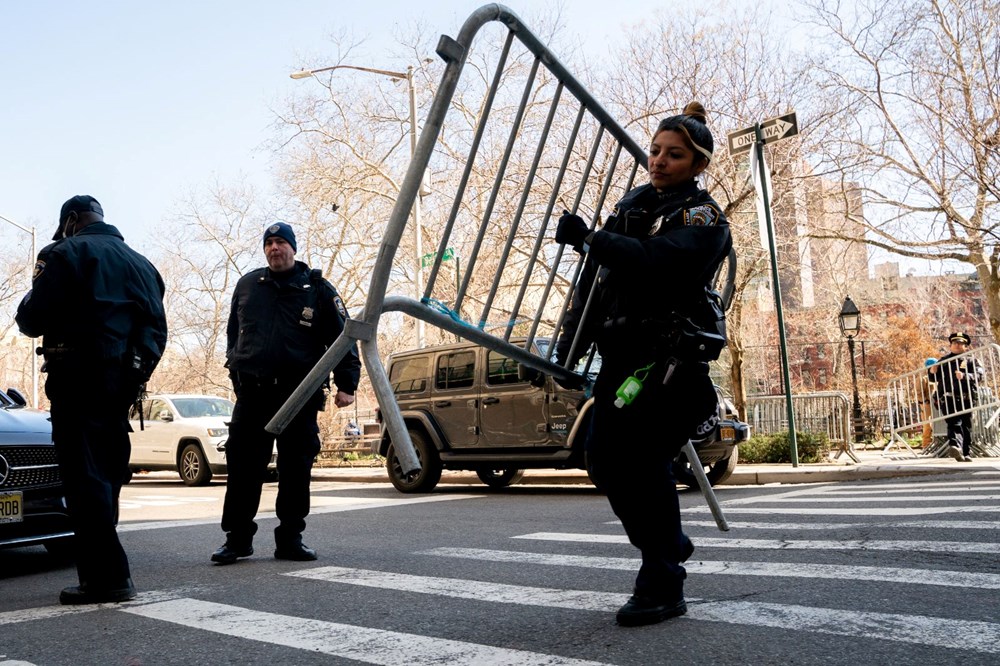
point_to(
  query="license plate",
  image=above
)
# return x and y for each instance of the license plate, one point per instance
(727, 433)
(11, 507)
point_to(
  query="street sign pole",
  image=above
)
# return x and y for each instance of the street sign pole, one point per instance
(759, 147)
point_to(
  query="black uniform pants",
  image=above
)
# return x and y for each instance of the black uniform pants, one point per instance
(960, 432)
(89, 408)
(630, 451)
(248, 451)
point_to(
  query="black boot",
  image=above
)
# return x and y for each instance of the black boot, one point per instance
(641, 609)
(230, 551)
(89, 594)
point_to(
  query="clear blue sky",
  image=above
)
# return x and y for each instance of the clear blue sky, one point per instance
(138, 103)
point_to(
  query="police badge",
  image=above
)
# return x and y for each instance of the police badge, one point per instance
(307, 313)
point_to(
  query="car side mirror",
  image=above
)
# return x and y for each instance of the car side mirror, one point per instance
(17, 397)
(165, 415)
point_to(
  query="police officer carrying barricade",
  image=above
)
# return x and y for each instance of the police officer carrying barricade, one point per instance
(656, 325)
(283, 318)
(958, 391)
(99, 306)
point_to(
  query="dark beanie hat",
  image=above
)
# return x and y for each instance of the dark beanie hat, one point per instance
(81, 203)
(281, 230)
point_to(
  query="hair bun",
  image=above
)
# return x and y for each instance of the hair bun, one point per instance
(696, 111)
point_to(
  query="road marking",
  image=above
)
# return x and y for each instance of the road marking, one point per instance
(49, 612)
(919, 629)
(778, 570)
(354, 504)
(468, 589)
(906, 498)
(912, 524)
(788, 544)
(371, 646)
(141, 501)
(867, 511)
(909, 487)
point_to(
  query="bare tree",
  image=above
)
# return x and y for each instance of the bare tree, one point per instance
(915, 124)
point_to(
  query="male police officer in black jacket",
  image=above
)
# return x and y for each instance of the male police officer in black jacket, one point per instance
(99, 306)
(283, 318)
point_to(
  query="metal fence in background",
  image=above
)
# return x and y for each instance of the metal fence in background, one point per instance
(923, 398)
(827, 413)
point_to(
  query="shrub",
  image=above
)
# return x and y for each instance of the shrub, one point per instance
(812, 447)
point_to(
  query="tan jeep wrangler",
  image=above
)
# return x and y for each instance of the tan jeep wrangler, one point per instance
(471, 408)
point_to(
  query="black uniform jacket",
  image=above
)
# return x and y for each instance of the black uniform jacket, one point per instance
(957, 394)
(93, 297)
(280, 326)
(655, 256)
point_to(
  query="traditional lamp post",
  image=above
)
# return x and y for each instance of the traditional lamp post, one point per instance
(411, 93)
(850, 325)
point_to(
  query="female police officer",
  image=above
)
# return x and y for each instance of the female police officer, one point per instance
(654, 263)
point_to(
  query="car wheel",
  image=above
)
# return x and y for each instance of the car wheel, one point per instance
(716, 472)
(430, 467)
(500, 478)
(193, 467)
(61, 548)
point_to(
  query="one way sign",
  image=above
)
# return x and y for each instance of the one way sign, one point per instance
(773, 130)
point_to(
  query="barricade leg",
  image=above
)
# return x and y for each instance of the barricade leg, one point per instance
(706, 487)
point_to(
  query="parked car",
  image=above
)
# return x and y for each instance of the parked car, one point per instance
(32, 506)
(468, 407)
(185, 433)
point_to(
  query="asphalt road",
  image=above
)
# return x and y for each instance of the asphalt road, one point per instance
(890, 571)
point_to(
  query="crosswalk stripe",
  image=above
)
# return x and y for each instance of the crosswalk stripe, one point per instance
(840, 499)
(912, 524)
(358, 505)
(468, 589)
(923, 630)
(372, 646)
(49, 612)
(788, 544)
(777, 569)
(834, 511)
(922, 486)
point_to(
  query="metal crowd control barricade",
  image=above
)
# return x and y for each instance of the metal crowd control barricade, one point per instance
(826, 412)
(922, 399)
(517, 280)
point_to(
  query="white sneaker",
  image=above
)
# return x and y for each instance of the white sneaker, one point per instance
(956, 453)
(967, 458)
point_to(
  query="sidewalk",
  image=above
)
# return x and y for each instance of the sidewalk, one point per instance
(873, 465)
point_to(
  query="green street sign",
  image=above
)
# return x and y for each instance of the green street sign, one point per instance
(428, 259)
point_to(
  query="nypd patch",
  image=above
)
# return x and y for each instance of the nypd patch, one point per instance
(339, 304)
(39, 269)
(702, 216)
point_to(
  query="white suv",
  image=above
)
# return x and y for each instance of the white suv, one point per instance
(186, 433)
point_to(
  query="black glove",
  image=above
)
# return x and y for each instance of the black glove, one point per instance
(573, 383)
(572, 230)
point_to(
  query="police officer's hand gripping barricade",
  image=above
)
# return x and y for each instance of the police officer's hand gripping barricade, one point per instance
(612, 160)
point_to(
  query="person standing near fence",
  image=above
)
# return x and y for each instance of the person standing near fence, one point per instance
(283, 319)
(958, 390)
(653, 263)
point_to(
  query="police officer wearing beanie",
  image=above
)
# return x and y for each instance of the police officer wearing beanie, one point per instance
(958, 390)
(283, 318)
(653, 263)
(98, 306)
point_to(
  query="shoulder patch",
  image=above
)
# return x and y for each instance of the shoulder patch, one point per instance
(702, 216)
(39, 269)
(339, 304)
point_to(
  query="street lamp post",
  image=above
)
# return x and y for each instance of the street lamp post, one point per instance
(850, 325)
(411, 92)
(31, 270)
